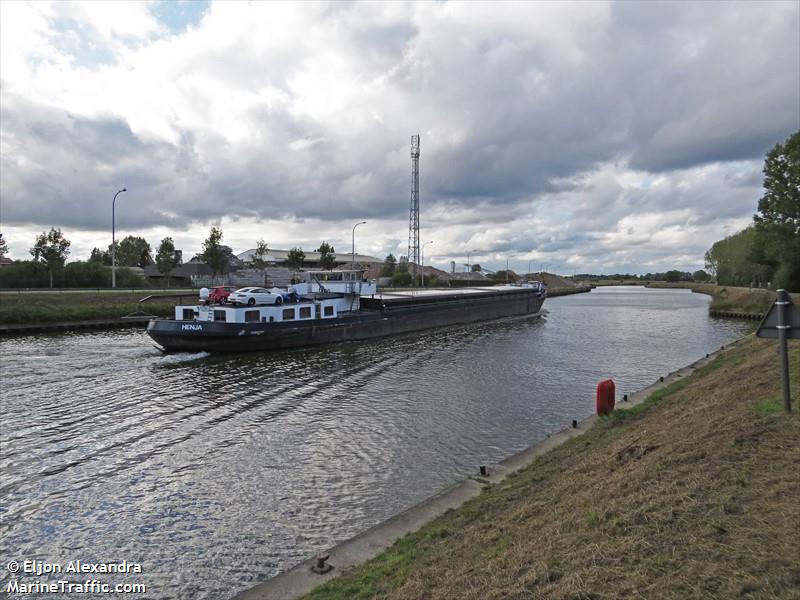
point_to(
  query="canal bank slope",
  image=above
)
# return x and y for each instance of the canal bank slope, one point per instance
(693, 493)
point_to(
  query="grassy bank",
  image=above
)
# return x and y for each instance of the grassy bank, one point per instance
(693, 494)
(50, 307)
(728, 299)
(736, 299)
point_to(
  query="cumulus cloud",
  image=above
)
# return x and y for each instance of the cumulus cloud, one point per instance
(599, 134)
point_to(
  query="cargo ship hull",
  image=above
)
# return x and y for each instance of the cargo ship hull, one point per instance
(376, 317)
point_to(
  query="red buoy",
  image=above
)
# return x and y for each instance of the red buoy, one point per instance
(605, 396)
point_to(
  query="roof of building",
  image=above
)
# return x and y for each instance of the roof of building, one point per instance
(275, 255)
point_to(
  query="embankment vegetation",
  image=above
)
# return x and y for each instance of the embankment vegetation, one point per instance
(54, 307)
(692, 494)
(78, 274)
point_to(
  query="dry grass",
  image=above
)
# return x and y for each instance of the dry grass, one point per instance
(694, 494)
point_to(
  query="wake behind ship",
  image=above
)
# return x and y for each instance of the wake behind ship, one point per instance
(335, 306)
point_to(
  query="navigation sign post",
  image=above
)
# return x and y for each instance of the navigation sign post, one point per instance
(782, 322)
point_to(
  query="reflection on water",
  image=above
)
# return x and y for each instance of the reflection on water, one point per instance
(216, 472)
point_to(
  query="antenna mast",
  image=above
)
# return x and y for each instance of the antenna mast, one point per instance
(413, 220)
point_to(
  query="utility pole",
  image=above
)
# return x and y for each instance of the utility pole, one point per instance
(413, 218)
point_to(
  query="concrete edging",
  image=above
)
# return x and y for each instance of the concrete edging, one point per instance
(300, 579)
(74, 325)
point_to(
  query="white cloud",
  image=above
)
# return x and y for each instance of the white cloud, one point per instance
(597, 134)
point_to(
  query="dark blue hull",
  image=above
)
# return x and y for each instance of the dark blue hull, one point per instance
(371, 321)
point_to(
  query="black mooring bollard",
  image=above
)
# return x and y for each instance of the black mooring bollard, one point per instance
(484, 471)
(625, 397)
(574, 424)
(661, 379)
(321, 566)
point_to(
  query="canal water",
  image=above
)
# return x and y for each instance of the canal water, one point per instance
(217, 472)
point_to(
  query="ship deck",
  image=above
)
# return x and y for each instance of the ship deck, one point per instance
(434, 296)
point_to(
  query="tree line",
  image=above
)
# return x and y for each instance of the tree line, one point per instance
(49, 267)
(767, 252)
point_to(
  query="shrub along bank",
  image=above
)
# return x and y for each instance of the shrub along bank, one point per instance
(692, 494)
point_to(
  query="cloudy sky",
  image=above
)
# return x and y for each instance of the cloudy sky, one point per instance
(593, 137)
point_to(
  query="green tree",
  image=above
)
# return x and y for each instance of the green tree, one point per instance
(101, 257)
(3, 246)
(700, 276)
(167, 258)
(389, 265)
(295, 258)
(214, 254)
(778, 221)
(134, 251)
(401, 277)
(259, 259)
(327, 256)
(51, 249)
(731, 260)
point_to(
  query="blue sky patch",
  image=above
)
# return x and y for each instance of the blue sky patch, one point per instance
(178, 15)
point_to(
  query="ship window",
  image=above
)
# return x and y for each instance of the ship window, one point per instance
(219, 315)
(305, 312)
(328, 311)
(188, 314)
(252, 316)
(288, 314)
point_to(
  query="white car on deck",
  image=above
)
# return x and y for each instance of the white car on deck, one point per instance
(254, 295)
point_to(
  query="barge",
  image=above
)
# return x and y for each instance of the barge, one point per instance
(336, 306)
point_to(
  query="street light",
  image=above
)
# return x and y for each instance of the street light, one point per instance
(113, 241)
(422, 261)
(353, 263)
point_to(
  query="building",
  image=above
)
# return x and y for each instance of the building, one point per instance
(239, 273)
(279, 257)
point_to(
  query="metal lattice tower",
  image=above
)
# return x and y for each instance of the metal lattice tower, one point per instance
(413, 219)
